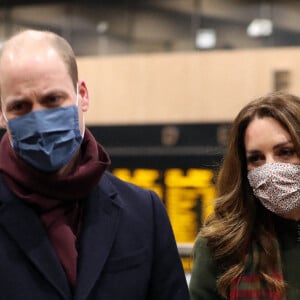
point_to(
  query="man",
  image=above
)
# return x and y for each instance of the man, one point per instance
(68, 228)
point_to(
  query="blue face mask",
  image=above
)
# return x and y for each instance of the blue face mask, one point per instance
(47, 139)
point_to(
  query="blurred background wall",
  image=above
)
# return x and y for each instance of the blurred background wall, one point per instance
(185, 87)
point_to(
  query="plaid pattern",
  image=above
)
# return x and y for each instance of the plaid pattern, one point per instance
(249, 286)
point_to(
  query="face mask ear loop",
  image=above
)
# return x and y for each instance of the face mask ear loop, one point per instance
(77, 103)
(77, 94)
(3, 113)
(6, 120)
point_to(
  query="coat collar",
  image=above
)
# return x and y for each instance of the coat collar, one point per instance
(98, 234)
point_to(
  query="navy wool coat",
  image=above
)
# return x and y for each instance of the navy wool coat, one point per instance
(127, 249)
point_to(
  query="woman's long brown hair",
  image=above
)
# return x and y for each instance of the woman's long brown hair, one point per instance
(238, 216)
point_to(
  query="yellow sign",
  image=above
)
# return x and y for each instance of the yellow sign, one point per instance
(188, 196)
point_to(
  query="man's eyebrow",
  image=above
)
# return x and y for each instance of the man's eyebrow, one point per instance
(54, 92)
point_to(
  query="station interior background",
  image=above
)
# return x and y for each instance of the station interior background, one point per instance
(106, 27)
(177, 159)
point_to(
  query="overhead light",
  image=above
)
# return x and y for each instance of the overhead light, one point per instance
(260, 28)
(102, 27)
(205, 39)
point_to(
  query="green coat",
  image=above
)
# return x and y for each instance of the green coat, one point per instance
(205, 271)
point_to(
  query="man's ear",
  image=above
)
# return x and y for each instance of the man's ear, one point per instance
(84, 95)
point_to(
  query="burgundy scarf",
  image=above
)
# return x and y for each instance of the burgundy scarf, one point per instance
(57, 198)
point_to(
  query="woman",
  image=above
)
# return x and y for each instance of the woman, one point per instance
(249, 248)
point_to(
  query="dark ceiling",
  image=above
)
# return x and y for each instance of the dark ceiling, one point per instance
(132, 26)
(30, 2)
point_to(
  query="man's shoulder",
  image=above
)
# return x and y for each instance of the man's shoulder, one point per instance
(130, 196)
(110, 179)
(126, 190)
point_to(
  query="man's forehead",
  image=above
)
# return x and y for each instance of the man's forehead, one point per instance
(27, 43)
(30, 65)
(28, 54)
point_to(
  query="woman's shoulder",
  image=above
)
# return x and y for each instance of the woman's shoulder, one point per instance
(201, 247)
(204, 273)
(204, 257)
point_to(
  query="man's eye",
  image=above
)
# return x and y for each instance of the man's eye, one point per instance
(18, 107)
(53, 100)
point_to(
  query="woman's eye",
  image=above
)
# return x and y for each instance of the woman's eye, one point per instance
(253, 159)
(287, 152)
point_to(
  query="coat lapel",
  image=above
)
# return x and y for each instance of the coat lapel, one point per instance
(102, 215)
(25, 228)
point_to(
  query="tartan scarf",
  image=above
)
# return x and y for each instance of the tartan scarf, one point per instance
(249, 286)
